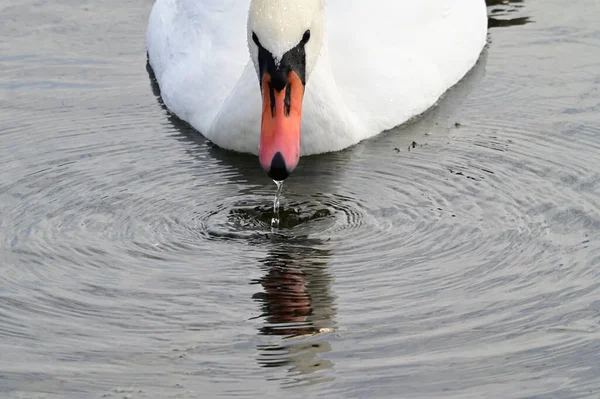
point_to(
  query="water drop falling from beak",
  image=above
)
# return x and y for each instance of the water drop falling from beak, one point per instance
(275, 219)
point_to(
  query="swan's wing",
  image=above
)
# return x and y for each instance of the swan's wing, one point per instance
(393, 59)
(198, 50)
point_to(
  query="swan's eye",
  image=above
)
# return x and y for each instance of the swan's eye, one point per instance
(255, 39)
(306, 37)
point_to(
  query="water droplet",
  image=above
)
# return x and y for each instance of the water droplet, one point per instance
(275, 219)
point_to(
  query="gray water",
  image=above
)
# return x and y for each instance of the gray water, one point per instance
(455, 257)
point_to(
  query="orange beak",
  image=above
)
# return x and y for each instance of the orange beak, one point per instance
(279, 151)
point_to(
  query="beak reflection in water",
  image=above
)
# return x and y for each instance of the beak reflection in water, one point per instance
(298, 306)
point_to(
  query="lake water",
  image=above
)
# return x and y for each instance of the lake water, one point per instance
(455, 257)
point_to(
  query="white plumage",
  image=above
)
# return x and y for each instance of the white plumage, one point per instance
(381, 63)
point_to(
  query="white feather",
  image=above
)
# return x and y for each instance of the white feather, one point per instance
(381, 63)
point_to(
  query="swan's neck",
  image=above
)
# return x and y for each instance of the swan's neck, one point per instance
(327, 122)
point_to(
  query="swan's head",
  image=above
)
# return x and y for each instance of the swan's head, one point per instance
(285, 39)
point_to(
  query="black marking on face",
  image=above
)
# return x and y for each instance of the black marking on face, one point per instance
(255, 39)
(306, 37)
(287, 102)
(272, 96)
(293, 60)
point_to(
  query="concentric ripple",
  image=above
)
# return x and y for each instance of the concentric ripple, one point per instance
(456, 256)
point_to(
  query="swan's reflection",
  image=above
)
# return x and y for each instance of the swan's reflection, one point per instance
(298, 306)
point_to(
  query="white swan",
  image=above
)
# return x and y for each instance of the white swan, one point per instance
(340, 71)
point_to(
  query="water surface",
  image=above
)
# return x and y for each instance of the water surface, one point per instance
(453, 257)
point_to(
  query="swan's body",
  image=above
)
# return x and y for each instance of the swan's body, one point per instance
(381, 63)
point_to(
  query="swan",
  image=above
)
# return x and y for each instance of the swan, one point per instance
(284, 78)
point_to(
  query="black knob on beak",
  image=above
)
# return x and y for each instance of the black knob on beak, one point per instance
(278, 170)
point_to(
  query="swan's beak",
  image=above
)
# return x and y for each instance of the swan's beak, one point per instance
(281, 121)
